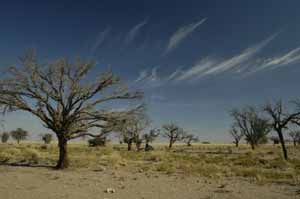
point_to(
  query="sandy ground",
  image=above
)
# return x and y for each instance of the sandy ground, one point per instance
(40, 183)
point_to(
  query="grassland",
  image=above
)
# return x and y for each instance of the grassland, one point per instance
(213, 161)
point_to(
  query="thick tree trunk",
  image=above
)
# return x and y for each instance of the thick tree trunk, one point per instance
(285, 155)
(252, 146)
(63, 161)
(295, 142)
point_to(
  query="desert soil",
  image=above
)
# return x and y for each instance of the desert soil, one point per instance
(40, 183)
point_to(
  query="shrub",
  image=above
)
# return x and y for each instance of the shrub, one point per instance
(4, 137)
(98, 141)
(5, 157)
(31, 155)
(47, 138)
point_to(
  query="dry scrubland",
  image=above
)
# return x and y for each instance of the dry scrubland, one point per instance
(199, 171)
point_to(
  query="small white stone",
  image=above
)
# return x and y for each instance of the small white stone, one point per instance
(110, 190)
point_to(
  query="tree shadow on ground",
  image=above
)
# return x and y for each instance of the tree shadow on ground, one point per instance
(26, 164)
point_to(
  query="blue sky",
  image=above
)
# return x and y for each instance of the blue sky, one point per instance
(194, 59)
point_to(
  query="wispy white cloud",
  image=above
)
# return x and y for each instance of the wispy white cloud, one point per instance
(132, 34)
(198, 69)
(100, 39)
(240, 59)
(176, 74)
(242, 64)
(181, 34)
(291, 57)
(149, 79)
(142, 76)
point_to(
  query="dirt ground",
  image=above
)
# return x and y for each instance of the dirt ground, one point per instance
(40, 183)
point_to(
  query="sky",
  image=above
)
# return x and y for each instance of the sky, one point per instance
(195, 60)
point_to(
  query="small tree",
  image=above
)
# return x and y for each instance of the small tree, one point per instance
(189, 138)
(4, 137)
(19, 134)
(295, 135)
(132, 128)
(47, 138)
(252, 126)
(236, 134)
(150, 137)
(173, 132)
(280, 121)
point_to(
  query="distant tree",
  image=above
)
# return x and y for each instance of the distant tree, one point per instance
(132, 129)
(47, 138)
(252, 126)
(295, 135)
(150, 137)
(280, 121)
(4, 137)
(173, 132)
(19, 134)
(189, 138)
(97, 141)
(64, 97)
(236, 134)
(275, 140)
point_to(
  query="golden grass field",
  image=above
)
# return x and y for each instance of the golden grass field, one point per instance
(213, 163)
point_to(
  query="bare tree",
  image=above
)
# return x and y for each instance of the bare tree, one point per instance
(189, 138)
(253, 127)
(150, 137)
(173, 132)
(63, 97)
(280, 121)
(236, 134)
(295, 135)
(132, 129)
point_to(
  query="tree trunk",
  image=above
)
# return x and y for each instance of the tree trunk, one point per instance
(138, 146)
(171, 143)
(295, 142)
(189, 144)
(285, 155)
(63, 161)
(236, 144)
(18, 141)
(252, 146)
(129, 146)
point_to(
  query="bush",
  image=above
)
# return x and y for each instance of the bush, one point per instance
(4, 137)
(98, 141)
(47, 138)
(31, 155)
(5, 157)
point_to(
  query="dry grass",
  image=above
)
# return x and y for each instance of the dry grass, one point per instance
(263, 165)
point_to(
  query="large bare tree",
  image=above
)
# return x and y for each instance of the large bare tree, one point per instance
(280, 120)
(65, 97)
